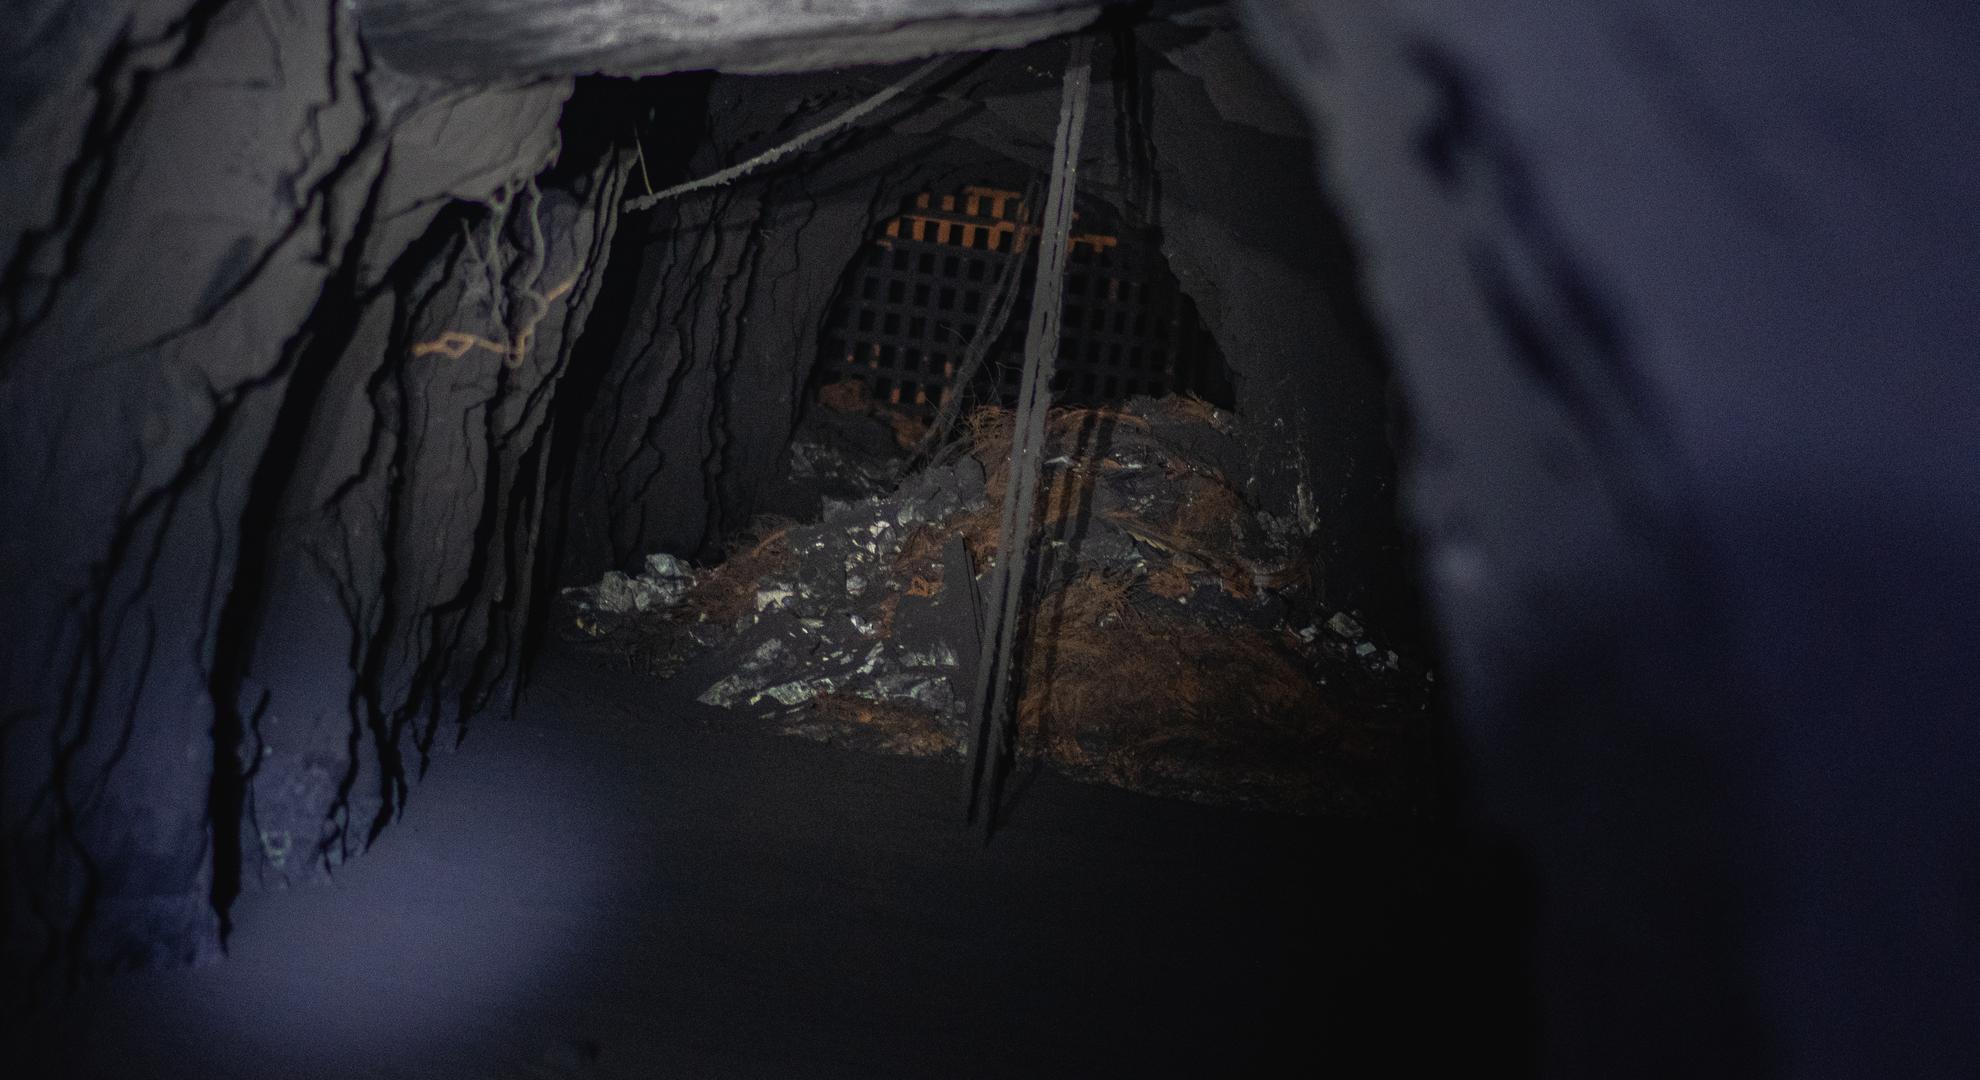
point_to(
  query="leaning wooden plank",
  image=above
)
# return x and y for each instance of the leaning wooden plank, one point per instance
(1004, 598)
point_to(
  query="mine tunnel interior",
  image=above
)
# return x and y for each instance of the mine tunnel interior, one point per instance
(737, 460)
(628, 538)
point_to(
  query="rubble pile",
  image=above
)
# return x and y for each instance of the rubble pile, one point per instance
(1176, 640)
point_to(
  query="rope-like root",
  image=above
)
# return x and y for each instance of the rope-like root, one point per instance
(455, 344)
(644, 179)
(838, 123)
(504, 303)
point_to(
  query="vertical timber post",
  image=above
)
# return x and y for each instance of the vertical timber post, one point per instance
(991, 701)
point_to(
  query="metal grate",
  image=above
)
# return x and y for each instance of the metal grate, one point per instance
(914, 296)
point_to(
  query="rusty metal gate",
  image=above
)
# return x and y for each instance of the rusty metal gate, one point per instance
(917, 292)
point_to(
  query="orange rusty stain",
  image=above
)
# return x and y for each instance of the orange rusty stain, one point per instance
(921, 586)
(968, 226)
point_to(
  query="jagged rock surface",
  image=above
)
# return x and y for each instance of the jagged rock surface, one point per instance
(224, 473)
(499, 39)
(1670, 288)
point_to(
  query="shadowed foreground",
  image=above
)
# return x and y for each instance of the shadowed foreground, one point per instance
(592, 890)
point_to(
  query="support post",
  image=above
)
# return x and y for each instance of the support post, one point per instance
(989, 741)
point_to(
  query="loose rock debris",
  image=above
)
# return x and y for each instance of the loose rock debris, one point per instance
(1176, 639)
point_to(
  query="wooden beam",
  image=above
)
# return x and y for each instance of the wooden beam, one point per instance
(1005, 596)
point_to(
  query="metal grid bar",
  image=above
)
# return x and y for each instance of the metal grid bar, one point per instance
(914, 298)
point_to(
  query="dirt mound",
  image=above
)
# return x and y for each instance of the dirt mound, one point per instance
(1176, 638)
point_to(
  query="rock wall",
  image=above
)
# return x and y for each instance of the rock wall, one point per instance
(1259, 244)
(261, 542)
(1680, 295)
(476, 39)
